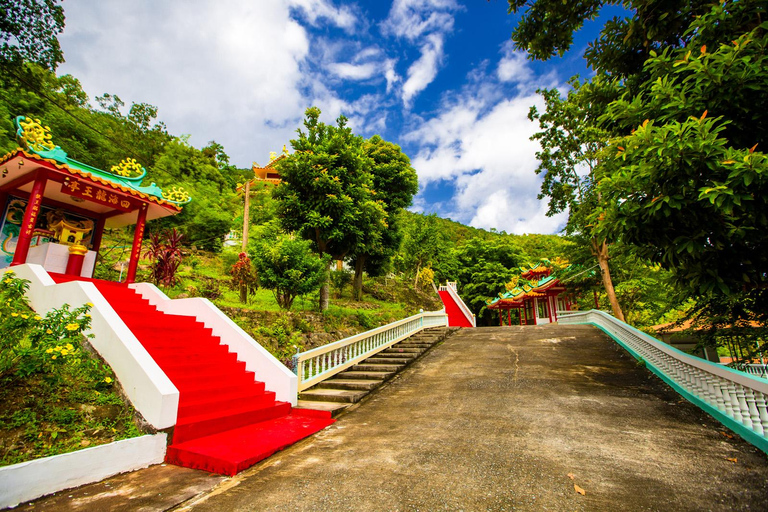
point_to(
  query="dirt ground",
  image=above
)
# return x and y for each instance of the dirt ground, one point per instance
(508, 418)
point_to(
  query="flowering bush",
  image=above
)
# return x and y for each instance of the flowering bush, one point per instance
(55, 395)
(31, 344)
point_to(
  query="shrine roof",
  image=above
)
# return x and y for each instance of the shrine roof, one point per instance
(126, 177)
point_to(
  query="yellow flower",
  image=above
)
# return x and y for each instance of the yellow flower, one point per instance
(24, 316)
(70, 347)
(53, 356)
(107, 380)
(14, 314)
(89, 304)
(64, 352)
(50, 350)
(37, 317)
(72, 327)
(87, 315)
(57, 348)
(48, 331)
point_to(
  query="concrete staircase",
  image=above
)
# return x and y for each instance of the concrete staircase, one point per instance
(352, 385)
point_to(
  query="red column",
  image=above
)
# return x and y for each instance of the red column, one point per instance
(30, 219)
(501, 319)
(138, 235)
(509, 317)
(520, 312)
(535, 304)
(597, 304)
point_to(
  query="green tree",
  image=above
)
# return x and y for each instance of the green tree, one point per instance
(485, 266)
(684, 182)
(285, 264)
(394, 184)
(571, 142)
(423, 243)
(28, 32)
(325, 193)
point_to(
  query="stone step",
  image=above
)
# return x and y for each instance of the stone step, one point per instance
(352, 384)
(397, 349)
(422, 346)
(351, 374)
(387, 360)
(332, 395)
(364, 367)
(398, 355)
(335, 408)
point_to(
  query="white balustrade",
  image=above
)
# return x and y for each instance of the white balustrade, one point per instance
(321, 363)
(740, 397)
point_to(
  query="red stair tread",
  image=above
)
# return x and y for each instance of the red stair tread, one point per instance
(229, 452)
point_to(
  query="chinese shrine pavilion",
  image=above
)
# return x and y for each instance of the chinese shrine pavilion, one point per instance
(536, 296)
(55, 209)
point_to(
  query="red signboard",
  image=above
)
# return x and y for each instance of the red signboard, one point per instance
(106, 197)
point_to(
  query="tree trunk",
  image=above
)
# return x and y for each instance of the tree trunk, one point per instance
(324, 291)
(357, 284)
(246, 215)
(416, 281)
(244, 293)
(600, 250)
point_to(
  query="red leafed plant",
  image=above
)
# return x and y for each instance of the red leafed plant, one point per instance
(243, 276)
(164, 251)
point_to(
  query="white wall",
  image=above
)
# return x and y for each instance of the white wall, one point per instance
(257, 359)
(148, 388)
(29, 480)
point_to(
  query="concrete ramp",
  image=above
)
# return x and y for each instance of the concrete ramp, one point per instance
(514, 418)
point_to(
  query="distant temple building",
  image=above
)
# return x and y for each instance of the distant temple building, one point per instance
(536, 296)
(269, 172)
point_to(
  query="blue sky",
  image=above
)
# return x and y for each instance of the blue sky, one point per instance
(438, 77)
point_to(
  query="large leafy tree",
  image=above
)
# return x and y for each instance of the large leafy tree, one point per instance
(394, 185)
(687, 183)
(28, 31)
(325, 193)
(682, 178)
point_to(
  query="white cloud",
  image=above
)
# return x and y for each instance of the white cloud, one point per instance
(480, 142)
(424, 22)
(353, 71)
(513, 67)
(315, 10)
(414, 18)
(424, 70)
(229, 70)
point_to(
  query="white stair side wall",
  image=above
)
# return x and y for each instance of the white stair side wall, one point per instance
(29, 480)
(257, 359)
(150, 391)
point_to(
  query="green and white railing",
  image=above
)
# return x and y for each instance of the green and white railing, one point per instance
(321, 363)
(736, 399)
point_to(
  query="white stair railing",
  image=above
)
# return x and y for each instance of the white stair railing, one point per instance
(450, 287)
(736, 399)
(321, 363)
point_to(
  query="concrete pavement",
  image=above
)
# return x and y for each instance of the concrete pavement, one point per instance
(512, 418)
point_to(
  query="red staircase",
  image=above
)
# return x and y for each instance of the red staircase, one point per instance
(456, 317)
(226, 421)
